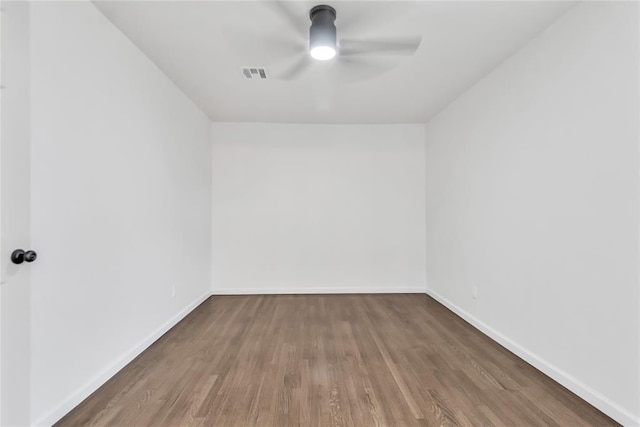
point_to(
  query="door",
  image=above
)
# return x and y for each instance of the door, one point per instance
(14, 214)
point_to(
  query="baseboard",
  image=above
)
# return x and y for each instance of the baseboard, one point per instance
(319, 290)
(595, 398)
(96, 382)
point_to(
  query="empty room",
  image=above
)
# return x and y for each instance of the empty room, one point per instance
(306, 213)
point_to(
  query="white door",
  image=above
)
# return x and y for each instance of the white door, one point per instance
(14, 214)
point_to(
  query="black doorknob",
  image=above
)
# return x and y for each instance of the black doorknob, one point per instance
(19, 256)
(30, 256)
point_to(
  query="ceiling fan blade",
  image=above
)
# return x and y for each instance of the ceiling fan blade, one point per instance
(296, 21)
(373, 16)
(358, 69)
(296, 69)
(261, 47)
(392, 46)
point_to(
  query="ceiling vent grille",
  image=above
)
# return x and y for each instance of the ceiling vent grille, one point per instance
(252, 73)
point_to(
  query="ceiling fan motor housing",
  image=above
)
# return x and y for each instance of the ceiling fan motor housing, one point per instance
(323, 29)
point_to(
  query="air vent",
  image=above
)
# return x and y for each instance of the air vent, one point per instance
(254, 72)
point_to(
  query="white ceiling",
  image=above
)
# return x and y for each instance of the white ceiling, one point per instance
(200, 45)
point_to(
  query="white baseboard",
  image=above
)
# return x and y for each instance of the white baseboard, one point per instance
(97, 381)
(595, 398)
(318, 290)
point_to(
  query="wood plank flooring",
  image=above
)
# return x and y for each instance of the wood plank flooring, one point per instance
(329, 360)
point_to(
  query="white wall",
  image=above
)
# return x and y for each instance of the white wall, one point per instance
(532, 197)
(300, 208)
(121, 199)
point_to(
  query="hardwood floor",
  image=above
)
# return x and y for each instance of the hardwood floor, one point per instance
(329, 360)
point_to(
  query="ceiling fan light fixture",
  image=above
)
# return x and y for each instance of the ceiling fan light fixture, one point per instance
(323, 53)
(322, 34)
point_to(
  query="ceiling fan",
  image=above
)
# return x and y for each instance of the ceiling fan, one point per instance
(352, 59)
